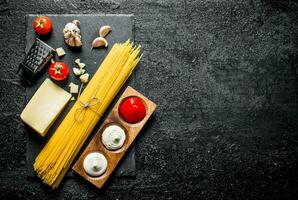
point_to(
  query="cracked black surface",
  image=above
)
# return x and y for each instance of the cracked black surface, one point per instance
(223, 74)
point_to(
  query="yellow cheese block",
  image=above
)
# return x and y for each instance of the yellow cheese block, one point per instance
(45, 106)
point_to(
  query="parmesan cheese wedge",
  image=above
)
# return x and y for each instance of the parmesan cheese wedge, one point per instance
(45, 106)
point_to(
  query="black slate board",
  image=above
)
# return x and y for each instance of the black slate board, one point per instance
(122, 29)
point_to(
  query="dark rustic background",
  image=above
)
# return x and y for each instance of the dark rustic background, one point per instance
(223, 73)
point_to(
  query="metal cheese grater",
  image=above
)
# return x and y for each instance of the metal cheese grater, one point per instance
(37, 57)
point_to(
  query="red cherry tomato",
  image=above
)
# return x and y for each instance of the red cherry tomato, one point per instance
(42, 25)
(58, 71)
(132, 110)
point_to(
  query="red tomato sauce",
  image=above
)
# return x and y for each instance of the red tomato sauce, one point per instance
(132, 110)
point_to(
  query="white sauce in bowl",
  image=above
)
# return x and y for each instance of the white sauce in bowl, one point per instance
(95, 164)
(113, 137)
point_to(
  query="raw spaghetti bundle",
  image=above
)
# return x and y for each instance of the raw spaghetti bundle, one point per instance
(56, 157)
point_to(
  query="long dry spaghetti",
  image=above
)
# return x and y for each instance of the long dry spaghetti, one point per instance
(56, 157)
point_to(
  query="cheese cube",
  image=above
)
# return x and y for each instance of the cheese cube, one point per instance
(71, 84)
(45, 106)
(73, 88)
(60, 51)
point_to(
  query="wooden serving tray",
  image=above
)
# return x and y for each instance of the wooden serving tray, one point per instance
(113, 157)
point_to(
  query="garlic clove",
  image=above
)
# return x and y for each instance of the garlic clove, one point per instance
(71, 42)
(99, 42)
(78, 42)
(104, 30)
(84, 78)
(76, 71)
(65, 30)
(67, 35)
(66, 41)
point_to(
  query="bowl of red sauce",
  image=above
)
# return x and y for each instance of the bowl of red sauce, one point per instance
(132, 109)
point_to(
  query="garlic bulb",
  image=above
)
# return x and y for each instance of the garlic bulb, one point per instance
(72, 34)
